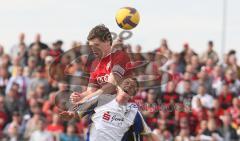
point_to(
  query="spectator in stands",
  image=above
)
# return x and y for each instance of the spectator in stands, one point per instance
(170, 96)
(151, 110)
(38, 42)
(41, 134)
(211, 133)
(43, 54)
(217, 109)
(21, 80)
(49, 107)
(186, 95)
(5, 61)
(210, 53)
(202, 127)
(14, 101)
(17, 48)
(162, 132)
(232, 62)
(184, 135)
(225, 97)
(217, 77)
(70, 134)
(227, 130)
(138, 54)
(194, 61)
(38, 79)
(205, 99)
(234, 110)
(4, 79)
(39, 94)
(13, 129)
(33, 123)
(230, 78)
(31, 66)
(56, 127)
(56, 49)
(1, 50)
(3, 114)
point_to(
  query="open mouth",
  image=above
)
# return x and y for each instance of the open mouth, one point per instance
(126, 89)
(95, 53)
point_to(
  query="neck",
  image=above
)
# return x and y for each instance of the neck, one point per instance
(106, 52)
(121, 101)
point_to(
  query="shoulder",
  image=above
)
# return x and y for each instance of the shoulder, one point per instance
(119, 53)
(133, 106)
(105, 98)
(133, 109)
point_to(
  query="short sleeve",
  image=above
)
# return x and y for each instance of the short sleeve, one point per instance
(120, 61)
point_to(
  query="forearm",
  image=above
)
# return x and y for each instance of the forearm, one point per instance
(106, 89)
(86, 108)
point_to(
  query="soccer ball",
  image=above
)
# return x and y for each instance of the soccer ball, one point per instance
(127, 18)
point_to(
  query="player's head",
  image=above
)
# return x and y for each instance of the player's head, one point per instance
(128, 87)
(100, 39)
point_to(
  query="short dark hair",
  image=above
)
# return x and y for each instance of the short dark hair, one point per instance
(135, 79)
(101, 32)
(210, 43)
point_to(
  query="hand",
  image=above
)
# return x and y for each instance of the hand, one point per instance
(75, 97)
(67, 115)
(77, 104)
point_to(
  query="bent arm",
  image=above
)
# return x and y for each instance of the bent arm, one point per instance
(108, 88)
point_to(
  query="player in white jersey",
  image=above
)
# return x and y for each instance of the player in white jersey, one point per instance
(117, 120)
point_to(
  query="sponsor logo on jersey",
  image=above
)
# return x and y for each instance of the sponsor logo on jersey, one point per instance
(102, 79)
(113, 119)
(106, 116)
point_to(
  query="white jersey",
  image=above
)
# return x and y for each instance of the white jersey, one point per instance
(112, 121)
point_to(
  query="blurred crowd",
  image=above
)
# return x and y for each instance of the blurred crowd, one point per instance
(200, 102)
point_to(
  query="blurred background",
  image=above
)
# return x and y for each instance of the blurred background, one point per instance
(199, 39)
(194, 22)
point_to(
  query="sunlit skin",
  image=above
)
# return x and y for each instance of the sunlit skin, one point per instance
(100, 48)
(125, 92)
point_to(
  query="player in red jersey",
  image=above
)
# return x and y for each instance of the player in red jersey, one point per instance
(110, 69)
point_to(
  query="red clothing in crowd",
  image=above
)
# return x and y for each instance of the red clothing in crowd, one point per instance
(55, 128)
(168, 97)
(3, 119)
(225, 100)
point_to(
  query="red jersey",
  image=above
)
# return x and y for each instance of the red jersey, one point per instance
(116, 62)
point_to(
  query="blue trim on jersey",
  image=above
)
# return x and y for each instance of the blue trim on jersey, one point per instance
(128, 136)
(88, 135)
(138, 124)
(135, 130)
(89, 124)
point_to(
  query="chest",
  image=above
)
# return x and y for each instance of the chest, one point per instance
(113, 118)
(102, 71)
